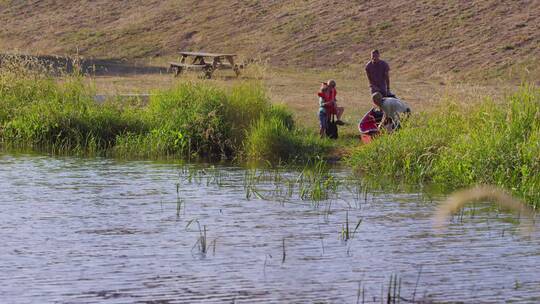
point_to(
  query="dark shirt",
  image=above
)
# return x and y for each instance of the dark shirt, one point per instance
(377, 74)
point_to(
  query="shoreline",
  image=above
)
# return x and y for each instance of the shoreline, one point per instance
(240, 121)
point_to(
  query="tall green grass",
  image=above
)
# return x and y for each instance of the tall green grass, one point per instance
(37, 112)
(272, 137)
(192, 119)
(197, 119)
(493, 143)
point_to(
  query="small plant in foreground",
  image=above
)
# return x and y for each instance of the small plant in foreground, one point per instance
(393, 295)
(346, 233)
(202, 242)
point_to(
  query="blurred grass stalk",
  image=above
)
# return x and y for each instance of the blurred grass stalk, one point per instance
(481, 193)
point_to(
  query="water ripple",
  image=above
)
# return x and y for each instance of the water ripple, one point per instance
(106, 231)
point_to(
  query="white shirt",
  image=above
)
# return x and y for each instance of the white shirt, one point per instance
(392, 107)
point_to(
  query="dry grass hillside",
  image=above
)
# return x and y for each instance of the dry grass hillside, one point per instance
(478, 39)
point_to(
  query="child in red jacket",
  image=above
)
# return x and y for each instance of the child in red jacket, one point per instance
(331, 97)
(325, 109)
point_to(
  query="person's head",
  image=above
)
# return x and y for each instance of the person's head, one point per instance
(324, 86)
(375, 55)
(377, 98)
(331, 83)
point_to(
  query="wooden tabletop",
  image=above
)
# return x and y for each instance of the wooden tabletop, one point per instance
(202, 54)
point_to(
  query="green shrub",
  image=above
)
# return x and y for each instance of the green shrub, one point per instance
(195, 111)
(270, 139)
(190, 120)
(56, 116)
(274, 139)
(283, 114)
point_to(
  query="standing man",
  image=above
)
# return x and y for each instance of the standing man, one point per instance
(378, 74)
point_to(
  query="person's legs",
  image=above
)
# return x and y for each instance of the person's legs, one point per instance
(339, 112)
(323, 123)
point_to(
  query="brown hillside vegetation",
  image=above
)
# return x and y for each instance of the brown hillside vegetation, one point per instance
(483, 38)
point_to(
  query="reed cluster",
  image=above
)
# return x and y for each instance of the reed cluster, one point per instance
(492, 143)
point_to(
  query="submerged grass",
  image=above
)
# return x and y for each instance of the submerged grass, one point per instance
(192, 119)
(202, 241)
(313, 183)
(494, 143)
(346, 232)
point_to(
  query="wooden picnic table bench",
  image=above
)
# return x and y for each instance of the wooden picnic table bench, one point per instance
(207, 62)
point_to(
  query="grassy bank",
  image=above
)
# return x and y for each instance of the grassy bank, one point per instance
(191, 119)
(454, 146)
(493, 143)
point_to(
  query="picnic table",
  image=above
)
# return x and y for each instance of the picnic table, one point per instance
(206, 62)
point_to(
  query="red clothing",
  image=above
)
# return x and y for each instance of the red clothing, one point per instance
(329, 95)
(332, 93)
(368, 123)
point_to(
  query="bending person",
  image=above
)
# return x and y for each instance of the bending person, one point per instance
(369, 124)
(392, 108)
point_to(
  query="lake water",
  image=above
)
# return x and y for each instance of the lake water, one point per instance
(78, 230)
